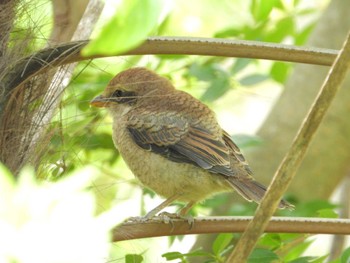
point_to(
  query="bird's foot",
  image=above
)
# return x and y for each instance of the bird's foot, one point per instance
(169, 217)
(164, 217)
(137, 219)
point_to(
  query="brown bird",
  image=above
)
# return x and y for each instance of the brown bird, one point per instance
(173, 143)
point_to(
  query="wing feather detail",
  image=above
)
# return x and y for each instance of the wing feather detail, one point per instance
(177, 140)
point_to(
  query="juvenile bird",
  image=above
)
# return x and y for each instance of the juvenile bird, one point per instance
(173, 143)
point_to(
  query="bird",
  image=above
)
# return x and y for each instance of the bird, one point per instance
(173, 143)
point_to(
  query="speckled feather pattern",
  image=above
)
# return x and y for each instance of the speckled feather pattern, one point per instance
(172, 141)
(165, 177)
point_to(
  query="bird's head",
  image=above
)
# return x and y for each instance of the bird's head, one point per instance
(130, 86)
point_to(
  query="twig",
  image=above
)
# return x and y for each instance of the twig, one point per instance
(293, 158)
(70, 52)
(210, 225)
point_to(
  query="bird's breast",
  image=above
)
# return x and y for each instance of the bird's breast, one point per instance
(163, 176)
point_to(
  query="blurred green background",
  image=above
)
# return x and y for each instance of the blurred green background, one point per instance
(241, 92)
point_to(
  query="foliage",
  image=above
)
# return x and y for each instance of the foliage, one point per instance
(214, 79)
(128, 28)
(82, 135)
(273, 247)
(286, 248)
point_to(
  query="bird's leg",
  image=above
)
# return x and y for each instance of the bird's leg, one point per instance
(157, 209)
(184, 211)
(151, 214)
(182, 214)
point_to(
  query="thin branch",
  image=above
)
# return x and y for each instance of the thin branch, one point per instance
(237, 224)
(235, 48)
(293, 158)
(70, 52)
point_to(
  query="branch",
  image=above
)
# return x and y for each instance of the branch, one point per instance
(66, 17)
(70, 52)
(293, 158)
(210, 225)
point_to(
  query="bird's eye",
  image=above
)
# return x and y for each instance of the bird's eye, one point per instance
(117, 93)
(123, 96)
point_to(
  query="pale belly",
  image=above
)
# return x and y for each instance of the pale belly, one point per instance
(166, 177)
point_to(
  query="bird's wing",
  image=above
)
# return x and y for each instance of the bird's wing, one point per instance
(171, 136)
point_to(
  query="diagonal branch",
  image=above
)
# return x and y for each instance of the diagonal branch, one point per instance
(210, 225)
(293, 158)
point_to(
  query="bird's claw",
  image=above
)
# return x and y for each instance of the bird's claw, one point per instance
(164, 217)
(137, 219)
(168, 218)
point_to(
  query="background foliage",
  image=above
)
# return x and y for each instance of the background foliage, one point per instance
(82, 135)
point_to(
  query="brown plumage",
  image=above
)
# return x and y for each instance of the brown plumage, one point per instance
(172, 141)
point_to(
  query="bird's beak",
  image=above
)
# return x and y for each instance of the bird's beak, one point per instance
(100, 102)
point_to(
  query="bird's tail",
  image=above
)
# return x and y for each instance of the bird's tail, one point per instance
(254, 191)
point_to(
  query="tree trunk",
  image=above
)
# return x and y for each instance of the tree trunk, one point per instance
(28, 109)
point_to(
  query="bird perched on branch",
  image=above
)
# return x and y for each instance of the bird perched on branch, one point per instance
(173, 143)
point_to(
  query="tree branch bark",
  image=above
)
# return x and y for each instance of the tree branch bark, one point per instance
(210, 225)
(29, 108)
(70, 52)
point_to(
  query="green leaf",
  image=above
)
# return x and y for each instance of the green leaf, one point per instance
(279, 5)
(309, 259)
(296, 3)
(300, 38)
(261, 9)
(229, 32)
(303, 260)
(217, 88)
(221, 242)
(285, 27)
(226, 250)
(260, 255)
(173, 255)
(197, 253)
(320, 259)
(171, 57)
(272, 240)
(327, 213)
(345, 257)
(177, 255)
(204, 72)
(133, 258)
(219, 80)
(241, 63)
(128, 28)
(245, 140)
(99, 140)
(311, 208)
(253, 79)
(297, 250)
(279, 71)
